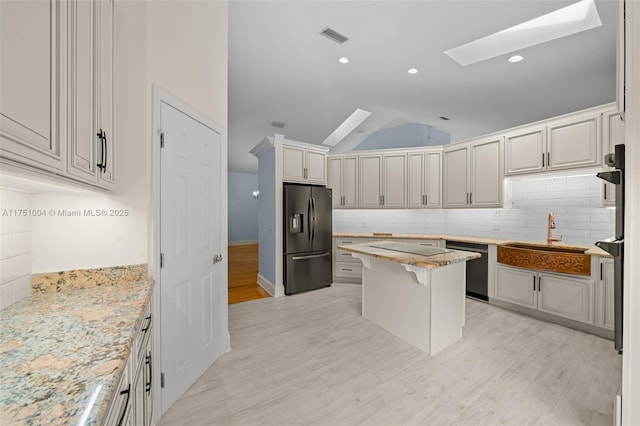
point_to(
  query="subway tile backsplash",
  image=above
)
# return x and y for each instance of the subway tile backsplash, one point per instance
(15, 247)
(574, 200)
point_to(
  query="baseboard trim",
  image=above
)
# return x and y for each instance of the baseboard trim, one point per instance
(242, 243)
(577, 325)
(267, 285)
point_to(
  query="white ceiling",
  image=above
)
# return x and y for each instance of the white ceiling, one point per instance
(281, 68)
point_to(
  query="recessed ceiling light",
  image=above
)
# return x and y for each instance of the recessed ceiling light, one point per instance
(572, 19)
(413, 71)
(515, 58)
(343, 60)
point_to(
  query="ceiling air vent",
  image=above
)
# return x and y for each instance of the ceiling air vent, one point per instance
(278, 124)
(334, 35)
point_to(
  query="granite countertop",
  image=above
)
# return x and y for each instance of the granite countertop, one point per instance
(435, 261)
(590, 250)
(62, 353)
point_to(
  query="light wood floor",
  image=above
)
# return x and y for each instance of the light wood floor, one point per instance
(311, 359)
(243, 274)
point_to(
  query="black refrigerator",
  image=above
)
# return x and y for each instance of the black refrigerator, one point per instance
(307, 237)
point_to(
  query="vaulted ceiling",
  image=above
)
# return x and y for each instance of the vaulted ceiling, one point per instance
(282, 69)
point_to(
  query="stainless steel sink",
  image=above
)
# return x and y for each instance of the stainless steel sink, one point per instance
(561, 259)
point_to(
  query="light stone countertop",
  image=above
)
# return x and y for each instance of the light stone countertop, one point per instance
(430, 262)
(591, 250)
(60, 350)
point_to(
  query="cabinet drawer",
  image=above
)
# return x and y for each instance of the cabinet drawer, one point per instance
(350, 270)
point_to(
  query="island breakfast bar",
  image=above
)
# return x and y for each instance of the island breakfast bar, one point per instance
(414, 292)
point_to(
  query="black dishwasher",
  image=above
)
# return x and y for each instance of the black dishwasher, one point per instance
(477, 269)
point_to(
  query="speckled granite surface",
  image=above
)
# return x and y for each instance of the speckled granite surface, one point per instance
(60, 350)
(86, 278)
(434, 261)
(591, 250)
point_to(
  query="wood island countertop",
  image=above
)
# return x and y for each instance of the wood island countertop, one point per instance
(434, 261)
(63, 353)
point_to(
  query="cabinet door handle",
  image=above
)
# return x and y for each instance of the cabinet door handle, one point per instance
(126, 404)
(601, 271)
(534, 283)
(383, 200)
(100, 135)
(543, 159)
(148, 362)
(548, 160)
(470, 197)
(105, 152)
(605, 191)
(539, 284)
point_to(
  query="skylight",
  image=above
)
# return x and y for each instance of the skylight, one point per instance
(578, 17)
(341, 132)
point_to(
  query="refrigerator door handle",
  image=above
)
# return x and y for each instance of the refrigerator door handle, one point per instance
(310, 219)
(313, 218)
(311, 256)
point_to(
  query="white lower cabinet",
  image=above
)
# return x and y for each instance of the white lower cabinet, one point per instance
(347, 268)
(556, 294)
(132, 402)
(605, 305)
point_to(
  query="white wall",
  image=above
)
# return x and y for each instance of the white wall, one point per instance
(15, 247)
(187, 53)
(575, 202)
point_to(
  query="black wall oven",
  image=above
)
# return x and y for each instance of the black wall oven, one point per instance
(615, 244)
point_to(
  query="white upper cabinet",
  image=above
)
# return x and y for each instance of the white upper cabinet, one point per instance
(574, 143)
(32, 60)
(473, 174)
(382, 180)
(424, 179)
(612, 135)
(526, 150)
(58, 117)
(561, 144)
(305, 165)
(342, 178)
(90, 108)
(456, 177)
(486, 173)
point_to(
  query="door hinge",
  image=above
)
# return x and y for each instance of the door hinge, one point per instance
(162, 260)
(161, 139)
(162, 380)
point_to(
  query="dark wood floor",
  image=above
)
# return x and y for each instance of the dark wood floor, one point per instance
(243, 274)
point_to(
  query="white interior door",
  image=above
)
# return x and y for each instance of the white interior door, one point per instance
(190, 224)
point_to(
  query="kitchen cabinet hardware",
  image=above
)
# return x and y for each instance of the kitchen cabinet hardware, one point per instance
(100, 135)
(346, 269)
(601, 271)
(217, 258)
(148, 319)
(162, 139)
(162, 260)
(126, 404)
(150, 369)
(470, 197)
(539, 284)
(548, 159)
(543, 160)
(605, 192)
(534, 283)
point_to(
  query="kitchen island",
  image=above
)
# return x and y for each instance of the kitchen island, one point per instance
(417, 295)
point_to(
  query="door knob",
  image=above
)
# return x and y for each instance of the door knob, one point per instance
(216, 258)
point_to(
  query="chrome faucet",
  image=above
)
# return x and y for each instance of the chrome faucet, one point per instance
(551, 224)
